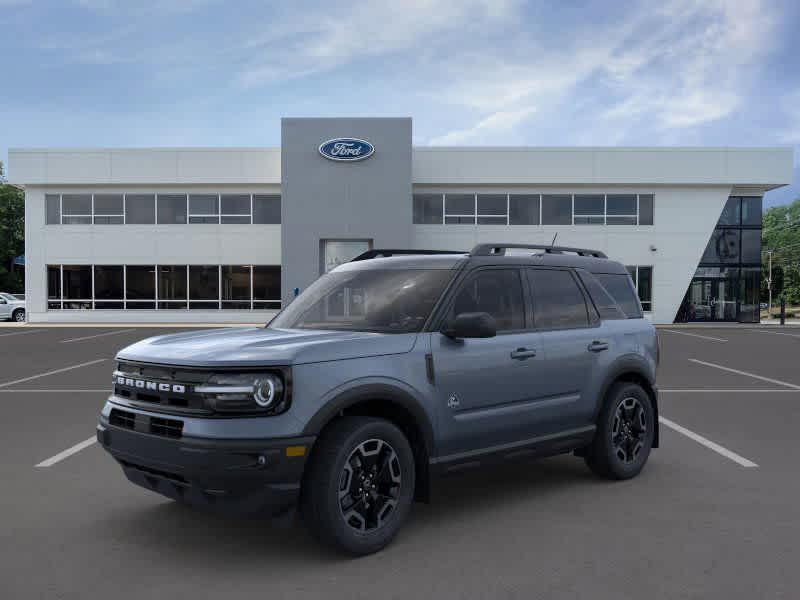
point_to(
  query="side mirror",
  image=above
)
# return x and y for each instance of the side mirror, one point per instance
(471, 325)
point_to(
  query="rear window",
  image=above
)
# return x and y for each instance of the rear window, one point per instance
(621, 289)
(606, 306)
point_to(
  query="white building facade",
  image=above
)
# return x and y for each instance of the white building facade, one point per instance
(229, 235)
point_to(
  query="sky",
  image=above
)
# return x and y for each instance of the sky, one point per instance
(108, 73)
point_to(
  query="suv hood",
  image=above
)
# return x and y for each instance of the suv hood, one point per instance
(259, 346)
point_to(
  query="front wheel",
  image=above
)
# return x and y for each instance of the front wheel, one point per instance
(19, 315)
(624, 435)
(359, 486)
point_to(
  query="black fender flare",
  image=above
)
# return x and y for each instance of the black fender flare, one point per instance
(374, 391)
(636, 365)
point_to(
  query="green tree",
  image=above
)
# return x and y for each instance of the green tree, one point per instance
(781, 235)
(12, 235)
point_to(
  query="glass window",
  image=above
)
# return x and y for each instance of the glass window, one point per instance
(523, 209)
(621, 288)
(108, 282)
(589, 209)
(751, 211)
(337, 252)
(558, 302)
(266, 286)
(731, 212)
(492, 209)
(427, 209)
(606, 306)
(172, 286)
(140, 209)
(751, 246)
(53, 282)
(76, 209)
(53, 209)
(203, 208)
(108, 209)
(621, 209)
(235, 208)
(78, 283)
(644, 287)
(749, 295)
(386, 301)
(140, 283)
(171, 209)
(497, 292)
(557, 209)
(236, 287)
(267, 209)
(723, 247)
(203, 286)
(646, 209)
(459, 209)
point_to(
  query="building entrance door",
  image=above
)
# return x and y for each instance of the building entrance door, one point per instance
(711, 300)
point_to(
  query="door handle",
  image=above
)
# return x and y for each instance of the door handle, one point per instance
(523, 353)
(598, 346)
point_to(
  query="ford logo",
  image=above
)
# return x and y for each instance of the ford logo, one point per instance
(346, 149)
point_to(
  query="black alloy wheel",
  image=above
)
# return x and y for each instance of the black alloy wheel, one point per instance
(629, 430)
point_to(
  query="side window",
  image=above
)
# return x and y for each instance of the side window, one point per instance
(494, 291)
(558, 302)
(620, 286)
(606, 305)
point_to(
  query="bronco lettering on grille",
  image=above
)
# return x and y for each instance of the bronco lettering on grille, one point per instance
(175, 388)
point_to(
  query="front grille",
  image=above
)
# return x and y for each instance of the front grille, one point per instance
(166, 427)
(157, 472)
(171, 428)
(122, 418)
(167, 400)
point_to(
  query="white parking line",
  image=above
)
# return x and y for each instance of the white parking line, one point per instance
(697, 335)
(728, 391)
(741, 460)
(67, 453)
(746, 374)
(794, 335)
(82, 391)
(22, 332)
(91, 337)
(24, 379)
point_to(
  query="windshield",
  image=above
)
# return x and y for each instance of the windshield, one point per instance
(384, 301)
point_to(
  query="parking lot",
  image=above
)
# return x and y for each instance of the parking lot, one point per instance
(715, 514)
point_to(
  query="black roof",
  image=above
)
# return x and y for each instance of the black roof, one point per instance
(593, 261)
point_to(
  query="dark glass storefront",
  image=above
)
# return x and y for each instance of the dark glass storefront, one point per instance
(726, 284)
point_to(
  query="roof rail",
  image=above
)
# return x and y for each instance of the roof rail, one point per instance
(490, 249)
(381, 252)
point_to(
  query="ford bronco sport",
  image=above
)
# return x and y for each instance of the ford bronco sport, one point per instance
(389, 370)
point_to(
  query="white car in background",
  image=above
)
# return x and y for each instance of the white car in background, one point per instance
(12, 308)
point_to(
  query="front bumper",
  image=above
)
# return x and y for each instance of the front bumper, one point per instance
(239, 476)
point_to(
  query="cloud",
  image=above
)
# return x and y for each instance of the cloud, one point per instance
(498, 122)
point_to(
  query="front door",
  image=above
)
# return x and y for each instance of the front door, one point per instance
(711, 300)
(487, 388)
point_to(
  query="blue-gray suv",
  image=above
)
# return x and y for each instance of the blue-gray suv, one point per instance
(392, 369)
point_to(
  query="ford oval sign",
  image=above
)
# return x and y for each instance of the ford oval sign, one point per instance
(344, 149)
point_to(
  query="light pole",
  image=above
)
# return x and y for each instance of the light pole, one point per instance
(769, 286)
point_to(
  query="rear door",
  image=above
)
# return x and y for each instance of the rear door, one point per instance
(487, 388)
(574, 344)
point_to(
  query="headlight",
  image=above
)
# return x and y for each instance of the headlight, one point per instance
(245, 392)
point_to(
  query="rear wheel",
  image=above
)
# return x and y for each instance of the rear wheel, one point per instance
(624, 433)
(19, 315)
(359, 486)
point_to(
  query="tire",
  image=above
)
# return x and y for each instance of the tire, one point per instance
(334, 505)
(624, 435)
(18, 315)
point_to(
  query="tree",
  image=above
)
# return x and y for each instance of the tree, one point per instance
(12, 235)
(781, 235)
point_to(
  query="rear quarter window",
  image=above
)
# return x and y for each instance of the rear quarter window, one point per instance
(620, 287)
(606, 306)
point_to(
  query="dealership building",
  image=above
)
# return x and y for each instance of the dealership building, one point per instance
(232, 234)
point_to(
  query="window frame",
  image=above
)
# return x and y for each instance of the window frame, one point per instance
(636, 285)
(135, 304)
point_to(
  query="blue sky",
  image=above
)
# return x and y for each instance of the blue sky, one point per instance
(90, 73)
